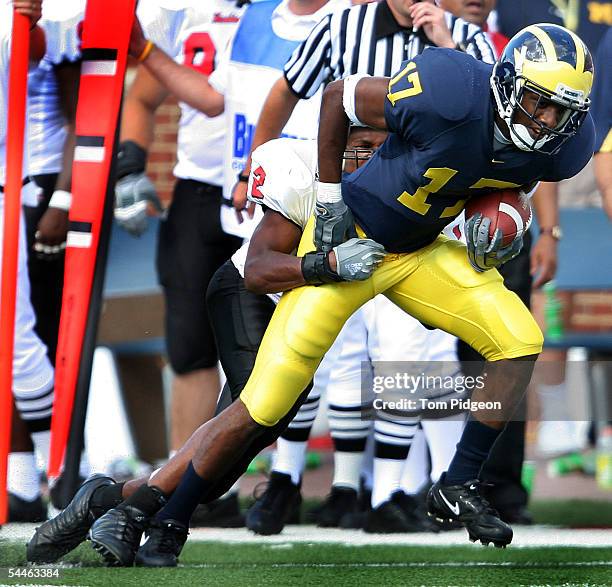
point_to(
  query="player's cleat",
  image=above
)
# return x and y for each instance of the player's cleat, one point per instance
(389, 518)
(116, 535)
(220, 513)
(278, 505)
(69, 528)
(162, 545)
(26, 511)
(465, 504)
(56, 495)
(415, 511)
(341, 503)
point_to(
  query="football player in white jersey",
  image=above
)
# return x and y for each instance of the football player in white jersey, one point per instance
(191, 242)
(52, 95)
(32, 371)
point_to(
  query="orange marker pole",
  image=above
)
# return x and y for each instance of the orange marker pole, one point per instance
(17, 91)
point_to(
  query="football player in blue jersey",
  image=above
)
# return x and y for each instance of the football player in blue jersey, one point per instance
(458, 128)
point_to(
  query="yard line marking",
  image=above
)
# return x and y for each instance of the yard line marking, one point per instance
(401, 565)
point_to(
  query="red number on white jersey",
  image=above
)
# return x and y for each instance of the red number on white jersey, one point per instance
(200, 53)
(259, 176)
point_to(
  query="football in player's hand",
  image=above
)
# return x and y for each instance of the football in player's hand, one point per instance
(507, 209)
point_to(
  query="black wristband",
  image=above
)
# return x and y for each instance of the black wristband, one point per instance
(131, 158)
(243, 177)
(316, 269)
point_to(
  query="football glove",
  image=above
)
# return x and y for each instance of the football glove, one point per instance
(485, 255)
(132, 194)
(334, 224)
(357, 258)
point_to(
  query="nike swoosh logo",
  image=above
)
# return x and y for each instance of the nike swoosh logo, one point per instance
(144, 539)
(496, 161)
(453, 508)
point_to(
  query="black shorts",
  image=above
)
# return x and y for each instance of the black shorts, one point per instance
(191, 247)
(239, 319)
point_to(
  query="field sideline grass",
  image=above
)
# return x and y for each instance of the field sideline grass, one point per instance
(338, 565)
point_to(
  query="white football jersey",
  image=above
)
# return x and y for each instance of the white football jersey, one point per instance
(29, 194)
(282, 179)
(6, 18)
(254, 62)
(60, 21)
(194, 33)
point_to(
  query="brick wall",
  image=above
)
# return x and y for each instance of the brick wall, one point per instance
(591, 310)
(162, 155)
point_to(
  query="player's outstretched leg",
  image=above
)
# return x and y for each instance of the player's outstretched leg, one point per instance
(68, 529)
(456, 496)
(220, 443)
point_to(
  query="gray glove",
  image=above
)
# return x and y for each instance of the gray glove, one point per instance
(485, 255)
(333, 225)
(132, 194)
(357, 258)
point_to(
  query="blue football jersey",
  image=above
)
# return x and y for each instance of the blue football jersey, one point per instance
(439, 153)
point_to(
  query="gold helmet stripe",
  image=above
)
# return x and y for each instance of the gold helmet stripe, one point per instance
(549, 46)
(580, 56)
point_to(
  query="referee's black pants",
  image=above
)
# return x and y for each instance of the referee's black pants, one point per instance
(239, 319)
(504, 466)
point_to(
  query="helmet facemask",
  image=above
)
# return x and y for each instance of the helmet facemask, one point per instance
(512, 80)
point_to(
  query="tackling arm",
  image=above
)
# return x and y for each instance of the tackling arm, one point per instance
(270, 265)
(365, 100)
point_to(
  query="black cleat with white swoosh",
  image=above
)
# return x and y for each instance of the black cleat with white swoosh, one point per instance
(463, 503)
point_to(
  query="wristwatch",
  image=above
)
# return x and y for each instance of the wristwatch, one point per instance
(554, 231)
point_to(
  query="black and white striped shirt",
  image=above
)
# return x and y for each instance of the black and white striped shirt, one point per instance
(366, 38)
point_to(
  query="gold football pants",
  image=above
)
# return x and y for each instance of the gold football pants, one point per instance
(436, 284)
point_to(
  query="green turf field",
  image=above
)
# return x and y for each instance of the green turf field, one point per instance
(335, 565)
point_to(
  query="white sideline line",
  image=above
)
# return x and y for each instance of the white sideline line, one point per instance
(524, 537)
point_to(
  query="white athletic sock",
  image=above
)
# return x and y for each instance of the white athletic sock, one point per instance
(442, 437)
(347, 468)
(416, 467)
(23, 478)
(290, 458)
(42, 444)
(387, 475)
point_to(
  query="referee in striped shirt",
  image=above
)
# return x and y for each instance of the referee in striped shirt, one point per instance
(372, 38)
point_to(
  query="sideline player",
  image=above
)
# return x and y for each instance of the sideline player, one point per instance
(535, 122)
(32, 370)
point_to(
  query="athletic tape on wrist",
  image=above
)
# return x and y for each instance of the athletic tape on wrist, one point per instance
(348, 97)
(329, 193)
(61, 199)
